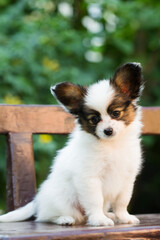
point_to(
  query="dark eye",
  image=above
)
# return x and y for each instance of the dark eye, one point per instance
(94, 119)
(116, 114)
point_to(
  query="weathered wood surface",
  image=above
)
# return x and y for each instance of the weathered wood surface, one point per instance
(21, 180)
(148, 229)
(53, 119)
(35, 119)
(151, 120)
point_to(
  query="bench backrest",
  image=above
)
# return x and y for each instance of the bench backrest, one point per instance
(19, 122)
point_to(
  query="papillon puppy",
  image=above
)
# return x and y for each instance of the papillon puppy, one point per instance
(92, 177)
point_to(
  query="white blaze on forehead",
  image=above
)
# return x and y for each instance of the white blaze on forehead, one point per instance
(99, 96)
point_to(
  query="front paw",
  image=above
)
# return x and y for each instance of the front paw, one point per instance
(99, 220)
(111, 215)
(127, 218)
(65, 220)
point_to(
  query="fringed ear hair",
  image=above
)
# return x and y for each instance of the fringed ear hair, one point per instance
(128, 80)
(69, 95)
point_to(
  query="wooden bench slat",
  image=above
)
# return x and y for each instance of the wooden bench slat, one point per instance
(54, 120)
(149, 228)
(21, 181)
(151, 120)
(35, 119)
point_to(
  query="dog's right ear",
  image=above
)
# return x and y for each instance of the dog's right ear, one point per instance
(69, 95)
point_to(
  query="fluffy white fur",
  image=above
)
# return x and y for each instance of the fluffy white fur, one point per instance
(90, 176)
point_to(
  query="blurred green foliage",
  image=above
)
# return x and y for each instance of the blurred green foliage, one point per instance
(43, 42)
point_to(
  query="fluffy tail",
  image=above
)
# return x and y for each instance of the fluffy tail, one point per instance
(19, 214)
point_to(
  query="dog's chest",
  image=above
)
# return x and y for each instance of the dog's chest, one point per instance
(115, 167)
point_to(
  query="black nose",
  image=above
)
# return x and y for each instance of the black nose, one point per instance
(108, 131)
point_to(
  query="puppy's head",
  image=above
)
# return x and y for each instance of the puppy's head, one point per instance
(106, 108)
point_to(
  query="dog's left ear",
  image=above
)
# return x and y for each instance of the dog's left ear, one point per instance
(128, 80)
(69, 95)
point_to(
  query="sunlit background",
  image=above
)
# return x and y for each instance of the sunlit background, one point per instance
(43, 42)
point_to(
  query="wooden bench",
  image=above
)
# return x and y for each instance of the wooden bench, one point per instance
(18, 123)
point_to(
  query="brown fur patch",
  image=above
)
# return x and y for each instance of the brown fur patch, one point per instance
(128, 80)
(84, 119)
(121, 84)
(126, 108)
(70, 95)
